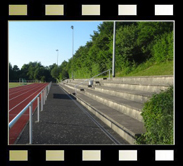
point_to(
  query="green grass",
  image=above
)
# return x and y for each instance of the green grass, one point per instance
(149, 68)
(15, 84)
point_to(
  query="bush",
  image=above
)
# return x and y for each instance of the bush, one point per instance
(158, 119)
(163, 48)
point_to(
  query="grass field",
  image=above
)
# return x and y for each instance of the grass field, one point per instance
(15, 84)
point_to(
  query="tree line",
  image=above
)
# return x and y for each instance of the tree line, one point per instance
(136, 42)
(31, 71)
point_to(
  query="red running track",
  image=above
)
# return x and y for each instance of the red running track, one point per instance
(19, 97)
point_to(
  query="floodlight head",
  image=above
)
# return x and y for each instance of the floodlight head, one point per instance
(72, 27)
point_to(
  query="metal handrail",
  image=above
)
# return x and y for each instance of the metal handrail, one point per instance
(44, 94)
(75, 86)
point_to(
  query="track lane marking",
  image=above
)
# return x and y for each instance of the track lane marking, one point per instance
(20, 90)
(25, 99)
(24, 93)
(20, 87)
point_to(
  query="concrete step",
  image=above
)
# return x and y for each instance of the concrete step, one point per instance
(83, 85)
(86, 81)
(134, 95)
(75, 90)
(145, 80)
(145, 83)
(141, 80)
(128, 107)
(79, 87)
(149, 88)
(69, 86)
(137, 96)
(127, 127)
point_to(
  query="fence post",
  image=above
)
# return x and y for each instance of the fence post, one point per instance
(44, 95)
(46, 92)
(38, 109)
(42, 101)
(30, 124)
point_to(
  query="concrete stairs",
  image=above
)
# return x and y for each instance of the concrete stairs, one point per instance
(118, 102)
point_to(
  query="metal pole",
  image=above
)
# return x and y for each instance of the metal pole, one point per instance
(42, 101)
(57, 60)
(38, 109)
(30, 124)
(109, 73)
(44, 96)
(113, 59)
(57, 56)
(72, 27)
(46, 92)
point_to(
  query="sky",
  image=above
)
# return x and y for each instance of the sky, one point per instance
(31, 41)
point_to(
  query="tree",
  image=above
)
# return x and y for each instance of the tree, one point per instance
(15, 68)
(148, 32)
(39, 73)
(24, 71)
(127, 50)
(10, 72)
(55, 72)
(63, 73)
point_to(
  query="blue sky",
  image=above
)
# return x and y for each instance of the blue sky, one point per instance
(38, 40)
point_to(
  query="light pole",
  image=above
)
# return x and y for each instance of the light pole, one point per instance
(57, 57)
(113, 58)
(57, 60)
(72, 27)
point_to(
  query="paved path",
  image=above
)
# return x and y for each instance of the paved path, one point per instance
(65, 121)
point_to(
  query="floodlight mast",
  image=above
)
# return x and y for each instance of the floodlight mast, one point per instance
(72, 27)
(113, 58)
(57, 56)
(57, 61)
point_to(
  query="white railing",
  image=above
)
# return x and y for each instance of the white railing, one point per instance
(75, 86)
(44, 94)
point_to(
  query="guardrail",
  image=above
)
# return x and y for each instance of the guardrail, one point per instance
(75, 86)
(44, 94)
